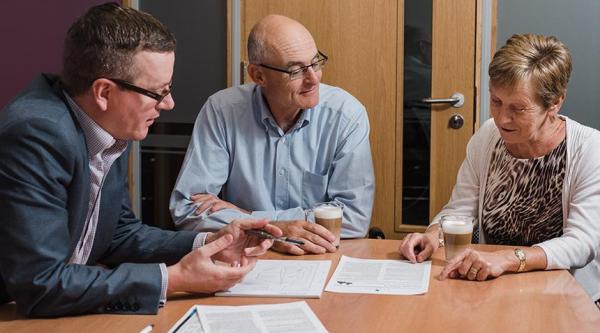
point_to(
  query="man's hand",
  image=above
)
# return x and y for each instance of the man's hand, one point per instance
(316, 238)
(418, 247)
(197, 272)
(213, 204)
(243, 245)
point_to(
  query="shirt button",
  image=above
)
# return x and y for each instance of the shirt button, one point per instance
(282, 172)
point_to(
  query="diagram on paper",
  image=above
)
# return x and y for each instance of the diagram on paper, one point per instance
(284, 278)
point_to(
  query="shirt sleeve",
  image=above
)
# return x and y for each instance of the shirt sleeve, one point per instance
(198, 242)
(200, 174)
(352, 180)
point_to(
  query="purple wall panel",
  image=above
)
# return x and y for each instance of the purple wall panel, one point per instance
(32, 34)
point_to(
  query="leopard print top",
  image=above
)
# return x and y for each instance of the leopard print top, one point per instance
(522, 200)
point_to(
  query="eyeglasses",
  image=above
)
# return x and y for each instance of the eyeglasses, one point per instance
(129, 86)
(295, 72)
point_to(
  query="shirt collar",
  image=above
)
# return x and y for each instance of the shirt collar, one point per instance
(97, 139)
(266, 116)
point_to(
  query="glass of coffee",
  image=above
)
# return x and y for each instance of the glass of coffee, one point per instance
(328, 215)
(457, 230)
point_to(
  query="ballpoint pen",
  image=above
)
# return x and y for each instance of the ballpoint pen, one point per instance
(147, 329)
(264, 234)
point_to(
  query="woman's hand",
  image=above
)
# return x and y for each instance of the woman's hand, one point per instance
(474, 265)
(419, 247)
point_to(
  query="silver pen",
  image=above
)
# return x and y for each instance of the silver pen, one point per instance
(264, 234)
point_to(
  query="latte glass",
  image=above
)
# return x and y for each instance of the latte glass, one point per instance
(457, 230)
(328, 215)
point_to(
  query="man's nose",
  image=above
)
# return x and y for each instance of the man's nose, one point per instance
(167, 104)
(310, 75)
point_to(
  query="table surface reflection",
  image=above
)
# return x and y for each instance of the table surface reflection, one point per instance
(543, 301)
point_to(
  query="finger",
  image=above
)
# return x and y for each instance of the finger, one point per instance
(476, 266)
(288, 248)
(201, 196)
(319, 230)
(407, 248)
(205, 205)
(260, 249)
(483, 273)
(472, 273)
(317, 243)
(467, 262)
(219, 206)
(426, 252)
(453, 264)
(247, 267)
(247, 224)
(310, 247)
(273, 230)
(216, 246)
(230, 276)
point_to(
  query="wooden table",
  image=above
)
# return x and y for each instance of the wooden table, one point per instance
(544, 301)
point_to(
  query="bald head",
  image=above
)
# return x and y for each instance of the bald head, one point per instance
(274, 35)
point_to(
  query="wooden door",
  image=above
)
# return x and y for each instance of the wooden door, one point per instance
(365, 44)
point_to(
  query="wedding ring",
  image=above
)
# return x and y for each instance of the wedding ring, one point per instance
(473, 270)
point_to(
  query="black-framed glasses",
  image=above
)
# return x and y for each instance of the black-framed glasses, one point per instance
(130, 86)
(296, 72)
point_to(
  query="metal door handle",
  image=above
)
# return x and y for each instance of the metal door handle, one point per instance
(457, 100)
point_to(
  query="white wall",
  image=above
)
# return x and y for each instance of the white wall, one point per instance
(577, 24)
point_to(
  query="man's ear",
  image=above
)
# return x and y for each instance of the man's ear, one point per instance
(257, 75)
(101, 90)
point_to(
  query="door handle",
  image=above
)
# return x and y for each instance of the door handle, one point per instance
(456, 100)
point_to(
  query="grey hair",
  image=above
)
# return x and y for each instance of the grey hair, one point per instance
(257, 49)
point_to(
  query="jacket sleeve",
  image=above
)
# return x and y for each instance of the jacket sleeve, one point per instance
(37, 166)
(133, 241)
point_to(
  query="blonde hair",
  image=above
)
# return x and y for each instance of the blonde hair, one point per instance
(545, 61)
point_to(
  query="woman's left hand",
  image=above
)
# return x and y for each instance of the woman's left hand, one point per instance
(474, 265)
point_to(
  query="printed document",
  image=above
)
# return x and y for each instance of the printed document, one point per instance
(283, 278)
(264, 318)
(385, 277)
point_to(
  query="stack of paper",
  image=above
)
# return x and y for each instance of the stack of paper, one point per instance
(375, 276)
(286, 317)
(283, 278)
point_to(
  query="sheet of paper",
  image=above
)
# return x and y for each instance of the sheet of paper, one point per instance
(385, 277)
(283, 278)
(264, 318)
(188, 323)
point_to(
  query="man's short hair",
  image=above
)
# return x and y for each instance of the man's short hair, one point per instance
(103, 42)
(257, 46)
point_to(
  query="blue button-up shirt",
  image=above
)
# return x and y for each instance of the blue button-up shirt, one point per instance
(237, 150)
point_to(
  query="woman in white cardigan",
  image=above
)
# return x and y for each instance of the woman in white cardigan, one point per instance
(531, 176)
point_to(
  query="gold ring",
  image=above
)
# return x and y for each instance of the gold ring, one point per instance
(473, 270)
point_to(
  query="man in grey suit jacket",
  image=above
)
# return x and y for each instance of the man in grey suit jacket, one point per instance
(69, 242)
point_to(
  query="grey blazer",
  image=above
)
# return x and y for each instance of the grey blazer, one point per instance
(44, 190)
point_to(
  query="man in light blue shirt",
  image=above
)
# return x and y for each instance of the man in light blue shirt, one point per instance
(273, 148)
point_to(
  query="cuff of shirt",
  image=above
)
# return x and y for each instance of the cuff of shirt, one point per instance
(199, 240)
(164, 284)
